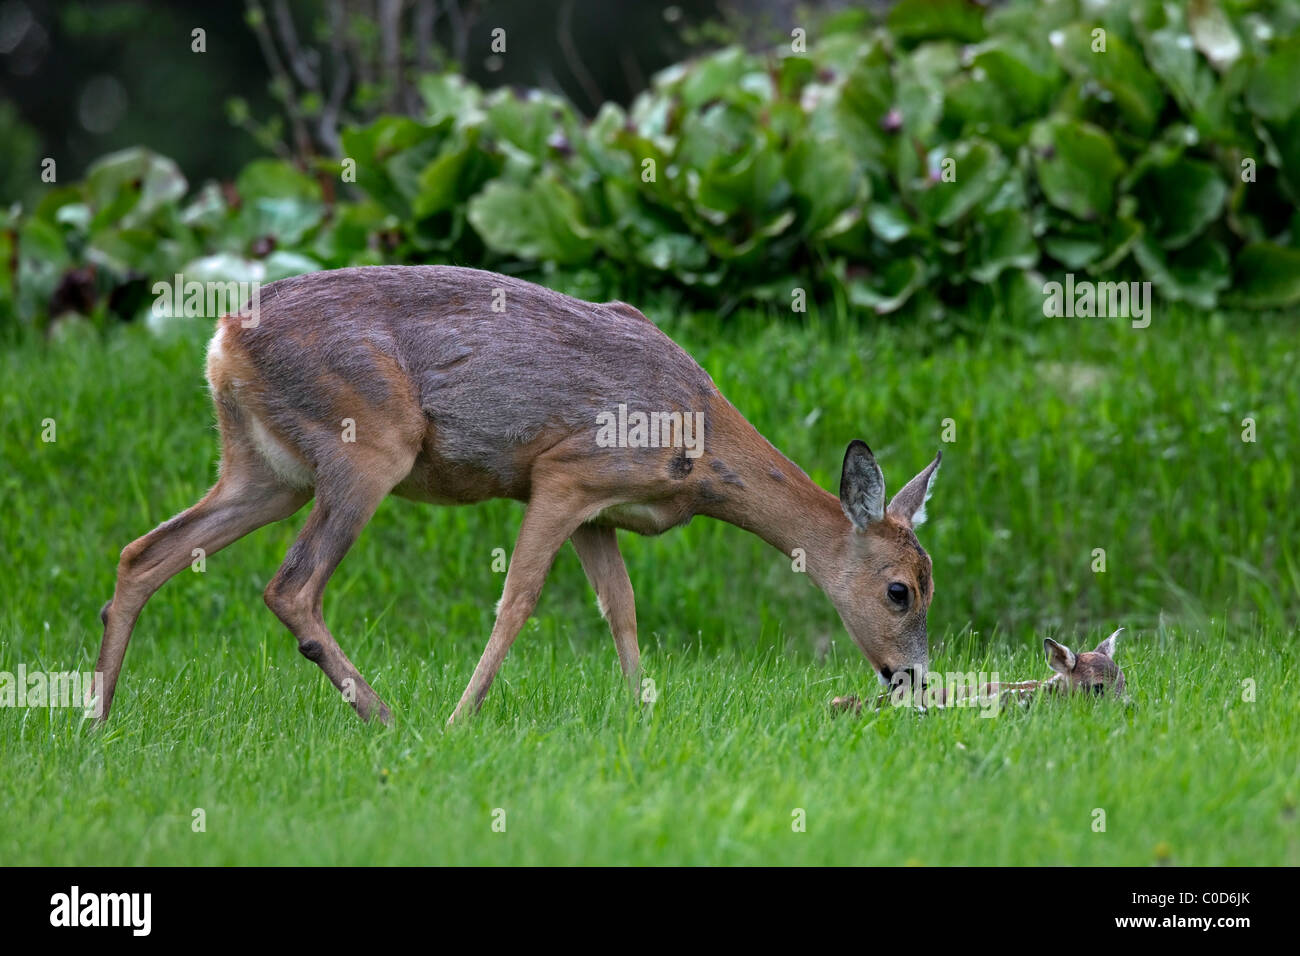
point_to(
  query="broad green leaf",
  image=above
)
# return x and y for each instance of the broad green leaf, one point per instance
(130, 252)
(285, 220)
(283, 263)
(226, 267)
(42, 240)
(277, 201)
(207, 209)
(345, 240)
(441, 180)
(1119, 72)
(374, 147)
(1174, 59)
(1273, 90)
(977, 168)
(132, 185)
(539, 221)
(1162, 152)
(1195, 274)
(1002, 241)
(911, 20)
(826, 181)
(529, 122)
(1286, 140)
(275, 179)
(889, 291)
(1077, 165)
(1122, 234)
(863, 106)
(752, 183)
(1178, 200)
(1020, 83)
(1095, 246)
(1075, 245)
(713, 77)
(889, 221)
(449, 95)
(674, 251)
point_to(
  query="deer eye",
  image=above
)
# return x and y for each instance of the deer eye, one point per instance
(898, 593)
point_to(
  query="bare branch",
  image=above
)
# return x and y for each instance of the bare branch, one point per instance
(631, 70)
(426, 14)
(342, 69)
(302, 141)
(300, 61)
(564, 33)
(390, 49)
(462, 21)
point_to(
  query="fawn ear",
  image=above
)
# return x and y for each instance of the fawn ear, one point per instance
(862, 486)
(1059, 657)
(1107, 646)
(909, 503)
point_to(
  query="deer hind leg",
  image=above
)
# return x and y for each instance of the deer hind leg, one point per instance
(597, 549)
(245, 498)
(228, 512)
(548, 522)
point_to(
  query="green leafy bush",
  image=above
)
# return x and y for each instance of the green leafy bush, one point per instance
(950, 153)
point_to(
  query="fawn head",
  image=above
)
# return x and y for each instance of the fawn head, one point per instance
(1093, 672)
(884, 585)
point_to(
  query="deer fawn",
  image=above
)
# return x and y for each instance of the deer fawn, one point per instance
(1089, 672)
(453, 386)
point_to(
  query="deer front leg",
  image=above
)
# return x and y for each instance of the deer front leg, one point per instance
(597, 549)
(547, 523)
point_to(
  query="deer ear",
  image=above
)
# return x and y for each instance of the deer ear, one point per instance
(1059, 657)
(909, 503)
(862, 486)
(1107, 646)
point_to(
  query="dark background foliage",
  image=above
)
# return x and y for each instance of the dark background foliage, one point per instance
(88, 77)
(929, 157)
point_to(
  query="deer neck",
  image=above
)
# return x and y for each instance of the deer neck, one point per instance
(747, 482)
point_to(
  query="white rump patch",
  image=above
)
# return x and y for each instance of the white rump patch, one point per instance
(216, 354)
(287, 466)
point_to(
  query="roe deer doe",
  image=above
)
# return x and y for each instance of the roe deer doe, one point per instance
(1088, 672)
(452, 386)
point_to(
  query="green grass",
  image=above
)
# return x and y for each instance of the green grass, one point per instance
(1084, 434)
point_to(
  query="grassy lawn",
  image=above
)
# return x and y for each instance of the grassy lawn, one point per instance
(1085, 434)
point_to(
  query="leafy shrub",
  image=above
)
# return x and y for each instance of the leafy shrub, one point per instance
(949, 153)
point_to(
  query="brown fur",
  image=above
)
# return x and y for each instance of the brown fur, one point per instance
(452, 401)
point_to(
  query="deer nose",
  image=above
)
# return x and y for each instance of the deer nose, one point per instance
(912, 677)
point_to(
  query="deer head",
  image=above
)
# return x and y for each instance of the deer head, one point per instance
(1093, 672)
(883, 586)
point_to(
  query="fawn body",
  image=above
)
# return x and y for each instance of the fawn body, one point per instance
(1089, 672)
(452, 386)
